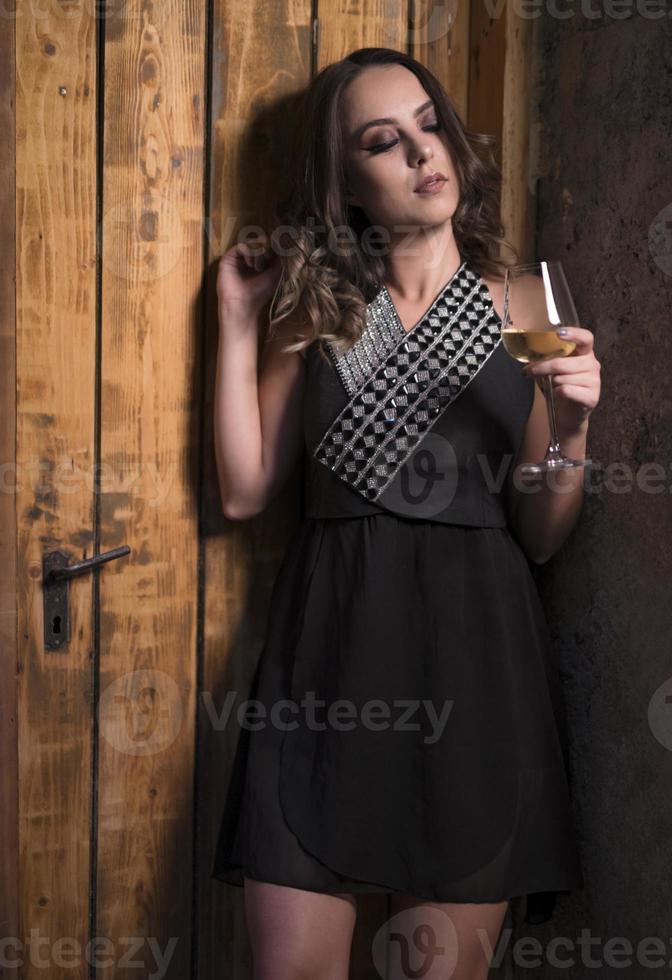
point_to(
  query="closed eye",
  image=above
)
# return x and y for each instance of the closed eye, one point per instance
(384, 147)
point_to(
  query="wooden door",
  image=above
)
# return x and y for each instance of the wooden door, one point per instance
(134, 132)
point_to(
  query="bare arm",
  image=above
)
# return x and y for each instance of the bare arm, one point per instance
(543, 518)
(257, 423)
(544, 508)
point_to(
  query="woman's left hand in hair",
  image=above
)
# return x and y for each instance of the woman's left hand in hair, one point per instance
(575, 379)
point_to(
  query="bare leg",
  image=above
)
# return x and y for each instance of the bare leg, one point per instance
(445, 940)
(297, 934)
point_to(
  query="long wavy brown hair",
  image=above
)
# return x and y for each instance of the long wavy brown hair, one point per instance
(323, 291)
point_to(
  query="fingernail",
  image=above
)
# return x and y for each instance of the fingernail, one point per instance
(562, 331)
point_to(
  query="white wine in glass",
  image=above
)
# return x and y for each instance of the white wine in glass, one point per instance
(537, 300)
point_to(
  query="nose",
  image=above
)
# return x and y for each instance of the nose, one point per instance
(421, 150)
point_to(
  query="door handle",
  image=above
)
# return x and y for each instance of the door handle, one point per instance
(56, 575)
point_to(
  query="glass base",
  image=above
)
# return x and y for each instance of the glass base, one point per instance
(546, 465)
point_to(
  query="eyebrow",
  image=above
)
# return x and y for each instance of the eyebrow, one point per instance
(379, 122)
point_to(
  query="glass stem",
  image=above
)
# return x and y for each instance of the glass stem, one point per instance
(554, 451)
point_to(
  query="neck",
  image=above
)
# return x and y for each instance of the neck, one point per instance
(422, 263)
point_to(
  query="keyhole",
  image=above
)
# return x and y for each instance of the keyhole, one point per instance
(57, 624)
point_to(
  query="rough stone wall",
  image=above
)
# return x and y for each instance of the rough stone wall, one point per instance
(603, 133)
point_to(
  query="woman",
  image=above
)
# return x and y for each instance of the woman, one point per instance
(412, 734)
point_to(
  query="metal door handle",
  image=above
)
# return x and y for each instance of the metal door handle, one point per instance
(54, 569)
(56, 575)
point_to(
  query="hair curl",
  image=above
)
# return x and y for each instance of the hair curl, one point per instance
(327, 290)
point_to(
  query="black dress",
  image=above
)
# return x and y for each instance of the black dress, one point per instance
(443, 772)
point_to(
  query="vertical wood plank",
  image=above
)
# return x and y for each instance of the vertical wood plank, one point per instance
(344, 25)
(487, 48)
(518, 201)
(152, 265)
(439, 38)
(259, 64)
(55, 373)
(9, 690)
(500, 93)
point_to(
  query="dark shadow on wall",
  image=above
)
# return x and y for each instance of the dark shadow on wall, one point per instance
(603, 123)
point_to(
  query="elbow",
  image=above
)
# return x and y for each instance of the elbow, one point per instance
(252, 502)
(530, 549)
(243, 504)
(237, 510)
(540, 558)
(249, 502)
(531, 553)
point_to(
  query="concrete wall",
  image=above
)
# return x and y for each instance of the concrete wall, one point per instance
(604, 166)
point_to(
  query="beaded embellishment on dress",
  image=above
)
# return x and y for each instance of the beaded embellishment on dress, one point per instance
(401, 381)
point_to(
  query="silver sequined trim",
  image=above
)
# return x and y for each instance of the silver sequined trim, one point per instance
(400, 381)
(384, 331)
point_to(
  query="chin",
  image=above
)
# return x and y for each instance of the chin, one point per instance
(437, 216)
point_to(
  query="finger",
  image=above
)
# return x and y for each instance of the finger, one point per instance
(252, 250)
(576, 393)
(562, 365)
(581, 336)
(586, 380)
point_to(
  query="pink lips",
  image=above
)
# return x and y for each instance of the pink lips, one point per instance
(431, 183)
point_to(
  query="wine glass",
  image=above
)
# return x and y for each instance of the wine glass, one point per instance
(537, 300)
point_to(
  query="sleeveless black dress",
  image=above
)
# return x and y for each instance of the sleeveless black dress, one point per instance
(423, 749)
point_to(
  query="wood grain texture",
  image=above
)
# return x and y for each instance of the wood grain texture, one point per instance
(151, 273)
(9, 688)
(439, 38)
(487, 55)
(344, 25)
(500, 92)
(518, 200)
(55, 370)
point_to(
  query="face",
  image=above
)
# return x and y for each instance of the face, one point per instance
(386, 161)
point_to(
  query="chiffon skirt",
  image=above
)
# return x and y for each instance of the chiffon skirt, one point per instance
(410, 735)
